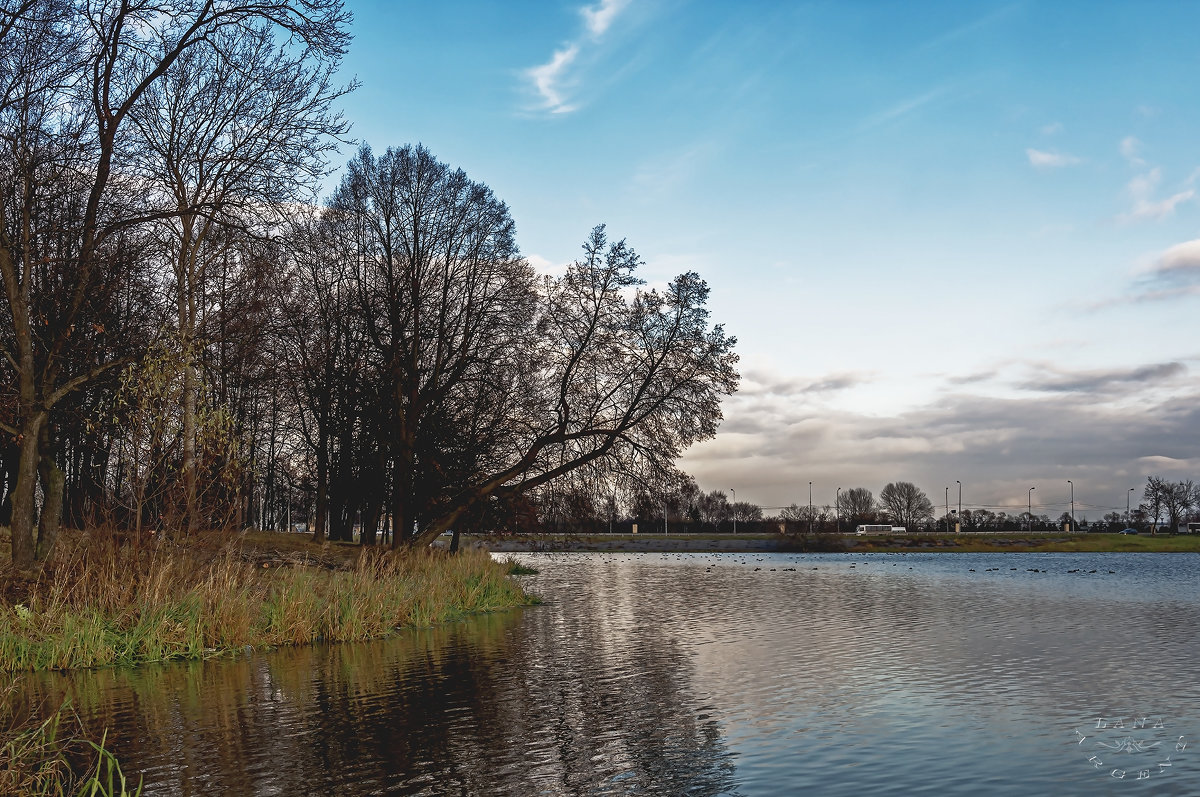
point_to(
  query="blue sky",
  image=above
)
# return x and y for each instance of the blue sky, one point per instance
(956, 241)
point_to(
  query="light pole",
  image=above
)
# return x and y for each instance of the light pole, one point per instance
(734, 510)
(837, 508)
(1131, 489)
(1072, 503)
(810, 509)
(959, 503)
(947, 510)
(1029, 510)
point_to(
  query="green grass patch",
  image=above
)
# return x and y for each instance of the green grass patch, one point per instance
(516, 568)
(99, 604)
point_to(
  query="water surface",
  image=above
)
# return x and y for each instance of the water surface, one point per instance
(711, 674)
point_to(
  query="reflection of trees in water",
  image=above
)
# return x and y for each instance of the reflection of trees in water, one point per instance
(506, 703)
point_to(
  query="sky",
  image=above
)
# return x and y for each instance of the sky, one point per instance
(957, 242)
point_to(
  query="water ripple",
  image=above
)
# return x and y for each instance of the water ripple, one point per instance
(700, 674)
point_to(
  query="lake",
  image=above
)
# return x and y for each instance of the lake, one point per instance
(705, 674)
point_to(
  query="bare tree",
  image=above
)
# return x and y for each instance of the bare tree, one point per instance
(906, 504)
(857, 505)
(102, 58)
(1155, 497)
(235, 132)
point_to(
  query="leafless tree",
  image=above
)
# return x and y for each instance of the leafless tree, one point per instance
(906, 504)
(857, 505)
(75, 74)
(234, 134)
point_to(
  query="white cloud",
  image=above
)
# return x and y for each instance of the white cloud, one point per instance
(1052, 128)
(1050, 160)
(1180, 263)
(552, 81)
(1142, 188)
(547, 79)
(599, 17)
(546, 267)
(1130, 147)
(1173, 274)
(776, 438)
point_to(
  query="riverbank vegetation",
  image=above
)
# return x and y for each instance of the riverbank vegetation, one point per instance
(98, 602)
(54, 757)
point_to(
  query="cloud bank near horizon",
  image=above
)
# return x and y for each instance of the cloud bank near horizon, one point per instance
(1104, 430)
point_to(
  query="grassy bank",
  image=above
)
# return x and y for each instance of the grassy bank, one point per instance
(100, 603)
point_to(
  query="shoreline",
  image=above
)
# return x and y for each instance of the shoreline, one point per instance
(991, 542)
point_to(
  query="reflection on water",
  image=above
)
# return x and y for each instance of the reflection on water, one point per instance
(711, 674)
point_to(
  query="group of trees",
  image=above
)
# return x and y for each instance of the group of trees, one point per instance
(191, 340)
(1165, 505)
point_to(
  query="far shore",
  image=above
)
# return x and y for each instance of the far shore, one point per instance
(998, 542)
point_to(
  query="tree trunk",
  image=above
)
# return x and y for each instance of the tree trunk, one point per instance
(370, 520)
(53, 480)
(23, 549)
(191, 522)
(403, 511)
(322, 509)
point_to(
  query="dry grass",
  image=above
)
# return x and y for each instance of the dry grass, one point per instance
(100, 602)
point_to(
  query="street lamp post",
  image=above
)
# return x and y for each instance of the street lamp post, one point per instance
(1127, 521)
(837, 508)
(810, 509)
(1072, 503)
(734, 509)
(947, 510)
(959, 500)
(1029, 510)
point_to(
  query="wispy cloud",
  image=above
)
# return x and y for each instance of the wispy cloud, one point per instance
(1052, 129)
(969, 28)
(667, 172)
(548, 79)
(1173, 274)
(903, 108)
(1130, 147)
(1106, 381)
(1050, 160)
(1142, 189)
(554, 81)
(599, 17)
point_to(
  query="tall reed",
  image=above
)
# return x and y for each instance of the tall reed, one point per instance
(102, 603)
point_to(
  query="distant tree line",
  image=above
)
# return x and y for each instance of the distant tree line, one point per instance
(192, 341)
(684, 508)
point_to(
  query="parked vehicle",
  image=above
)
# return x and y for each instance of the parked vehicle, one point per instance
(1128, 531)
(869, 528)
